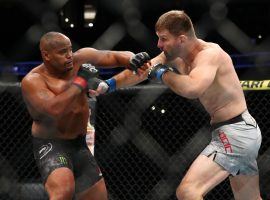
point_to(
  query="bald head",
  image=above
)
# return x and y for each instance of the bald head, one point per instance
(52, 40)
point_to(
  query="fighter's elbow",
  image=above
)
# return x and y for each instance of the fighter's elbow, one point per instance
(122, 59)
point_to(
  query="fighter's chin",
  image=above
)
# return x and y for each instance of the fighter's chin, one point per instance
(69, 67)
(169, 56)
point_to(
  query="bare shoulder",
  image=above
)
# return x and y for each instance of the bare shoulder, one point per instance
(84, 55)
(220, 54)
(35, 73)
(216, 49)
(212, 52)
(90, 55)
(33, 78)
(86, 50)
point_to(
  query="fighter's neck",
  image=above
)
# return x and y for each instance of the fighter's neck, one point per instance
(194, 48)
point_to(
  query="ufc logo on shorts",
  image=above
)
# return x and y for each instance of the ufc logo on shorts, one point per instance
(223, 138)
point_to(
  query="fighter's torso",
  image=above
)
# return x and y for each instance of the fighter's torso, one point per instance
(72, 123)
(224, 99)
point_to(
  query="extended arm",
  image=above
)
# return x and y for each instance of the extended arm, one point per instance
(127, 78)
(103, 58)
(138, 65)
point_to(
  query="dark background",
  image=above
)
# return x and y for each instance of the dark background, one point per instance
(240, 27)
(125, 153)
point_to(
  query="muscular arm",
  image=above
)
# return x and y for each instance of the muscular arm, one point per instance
(161, 58)
(103, 58)
(38, 96)
(128, 78)
(198, 80)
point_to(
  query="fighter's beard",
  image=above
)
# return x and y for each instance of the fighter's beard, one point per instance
(169, 57)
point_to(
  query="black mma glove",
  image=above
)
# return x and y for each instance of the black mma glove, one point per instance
(100, 86)
(94, 84)
(138, 60)
(85, 73)
(108, 85)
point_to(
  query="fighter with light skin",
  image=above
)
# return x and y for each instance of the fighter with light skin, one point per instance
(202, 70)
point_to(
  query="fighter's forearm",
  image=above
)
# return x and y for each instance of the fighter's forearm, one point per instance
(128, 78)
(112, 59)
(182, 85)
(59, 105)
(122, 58)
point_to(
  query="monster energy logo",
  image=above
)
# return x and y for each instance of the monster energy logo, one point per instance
(63, 160)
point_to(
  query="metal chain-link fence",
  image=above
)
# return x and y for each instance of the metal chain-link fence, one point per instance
(146, 138)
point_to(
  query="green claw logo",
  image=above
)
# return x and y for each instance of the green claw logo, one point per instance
(63, 160)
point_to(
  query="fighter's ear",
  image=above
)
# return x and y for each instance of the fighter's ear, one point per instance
(45, 54)
(182, 38)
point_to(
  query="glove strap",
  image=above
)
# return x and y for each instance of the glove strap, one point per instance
(160, 73)
(112, 84)
(80, 82)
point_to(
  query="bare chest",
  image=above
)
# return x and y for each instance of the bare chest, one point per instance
(57, 86)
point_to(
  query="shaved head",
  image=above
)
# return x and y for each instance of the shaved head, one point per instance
(51, 40)
(56, 51)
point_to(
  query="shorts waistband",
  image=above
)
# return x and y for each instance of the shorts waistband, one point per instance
(79, 139)
(233, 120)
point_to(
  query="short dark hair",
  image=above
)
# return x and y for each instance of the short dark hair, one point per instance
(176, 22)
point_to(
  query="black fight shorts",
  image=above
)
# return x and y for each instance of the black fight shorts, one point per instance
(74, 154)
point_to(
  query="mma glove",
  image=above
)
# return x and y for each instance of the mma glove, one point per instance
(85, 73)
(156, 72)
(138, 60)
(106, 86)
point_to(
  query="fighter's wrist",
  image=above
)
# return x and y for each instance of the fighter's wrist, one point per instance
(80, 82)
(160, 73)
(157, 71)
(112, 84)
